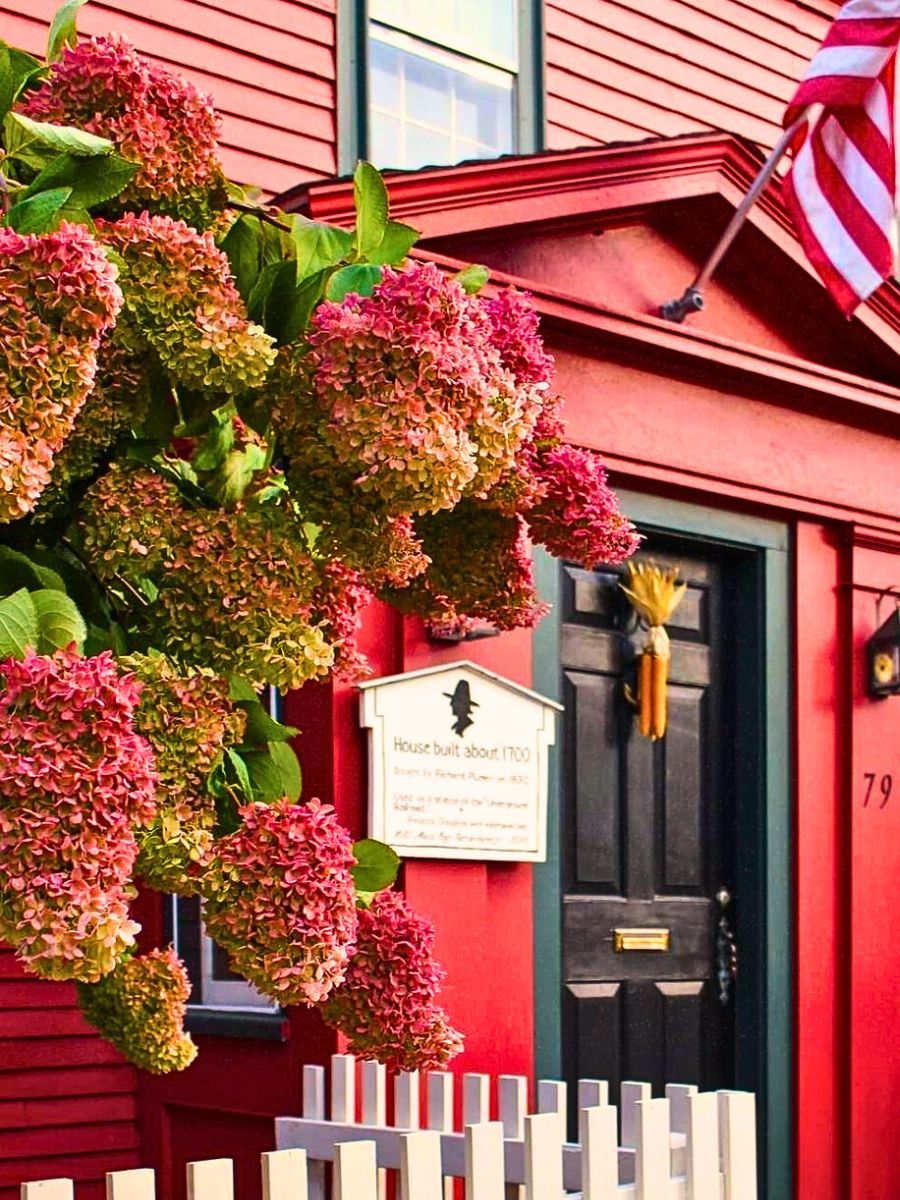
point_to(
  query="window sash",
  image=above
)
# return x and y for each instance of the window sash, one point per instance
(425, 32)
(353, 105)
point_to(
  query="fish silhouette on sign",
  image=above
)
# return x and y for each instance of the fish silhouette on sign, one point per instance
(461, 705)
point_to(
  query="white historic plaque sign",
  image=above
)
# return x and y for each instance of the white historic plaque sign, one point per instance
(458, 764)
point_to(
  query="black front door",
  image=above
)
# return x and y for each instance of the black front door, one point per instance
(648, 833)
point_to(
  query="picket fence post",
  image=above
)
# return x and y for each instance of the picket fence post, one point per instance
(138, 1184)
(283, 1175)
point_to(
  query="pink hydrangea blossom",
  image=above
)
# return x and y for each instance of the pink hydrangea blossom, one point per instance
(337, 606)
(181, 302)
(58, 296)
(75, 781)
(386, 1004)
(235, 589)
(481, 570)
(409, 392)
(279, 898)
(155, 118)
(578, 515)
(515, 335)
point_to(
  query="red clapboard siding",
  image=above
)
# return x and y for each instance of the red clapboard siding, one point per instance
(630, 68)
(117, 1079)
(269, 67)
(89, 1167)
(68, 1101)
(45, 1114)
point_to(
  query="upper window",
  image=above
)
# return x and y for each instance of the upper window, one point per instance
(442, 81)
(433, 84)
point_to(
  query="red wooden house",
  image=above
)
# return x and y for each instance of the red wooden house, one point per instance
(603, 144)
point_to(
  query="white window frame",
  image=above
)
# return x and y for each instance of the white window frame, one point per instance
(353, 92)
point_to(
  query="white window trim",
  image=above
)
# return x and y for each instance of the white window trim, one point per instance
(352, 41)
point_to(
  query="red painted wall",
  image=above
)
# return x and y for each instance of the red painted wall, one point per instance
(874, 980)
(627, 69)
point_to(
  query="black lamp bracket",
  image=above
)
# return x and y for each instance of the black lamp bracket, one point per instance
(893, 590)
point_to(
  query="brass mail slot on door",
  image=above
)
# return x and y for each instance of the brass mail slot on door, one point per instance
(641, 939)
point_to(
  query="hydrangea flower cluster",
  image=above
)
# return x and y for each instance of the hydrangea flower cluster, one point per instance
(279, 899)
(236, 590)
(181, 301)
(75, 782)
(480, 570)
(140, 1008)
(118, 401)
(386, 1004)
(516, 337)
(188, 720)
(410, 394)
(58, 296)
(154, 118)
(578, 515)
(340, 598)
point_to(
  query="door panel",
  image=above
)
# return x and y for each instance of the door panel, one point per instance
(647, 831)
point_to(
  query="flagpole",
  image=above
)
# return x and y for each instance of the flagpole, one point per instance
(692, 300)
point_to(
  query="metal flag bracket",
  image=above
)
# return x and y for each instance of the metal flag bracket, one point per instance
(692, 300)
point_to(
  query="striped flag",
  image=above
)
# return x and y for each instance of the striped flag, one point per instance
(841, 189)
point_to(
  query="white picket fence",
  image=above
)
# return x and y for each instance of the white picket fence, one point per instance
(686, 1146)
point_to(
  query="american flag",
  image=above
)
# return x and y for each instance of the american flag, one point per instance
(841, 189)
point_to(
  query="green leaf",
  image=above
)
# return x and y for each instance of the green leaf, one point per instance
(397, 242)
(256, 301)
(371, 199)
(472, 278)
(288, 768)
(376, 865)
(228, 818)
(360, 279)
(261, 727)
(16, 70)
(7, 80)
(233, 477)
(243, 246)
(274, 772)
(18, 624)
(111, 638)
(59, 621)
(219, 440)
(240, 689)
(40, 213)
(241, 772)
(282, 305)
(21, 132)
(62, 29)
(18, 571)
(318, 246)
(295, 314)
(92, 180)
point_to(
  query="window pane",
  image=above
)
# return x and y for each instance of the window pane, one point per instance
(426, 148)
(483, 28)
(484, 114)
(429, 91)
(386, 140)
(385, 70)
(429, 107)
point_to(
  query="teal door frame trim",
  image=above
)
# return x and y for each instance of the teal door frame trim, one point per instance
(765, 1010)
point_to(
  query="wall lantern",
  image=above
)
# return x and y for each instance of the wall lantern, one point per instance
(883, 650)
